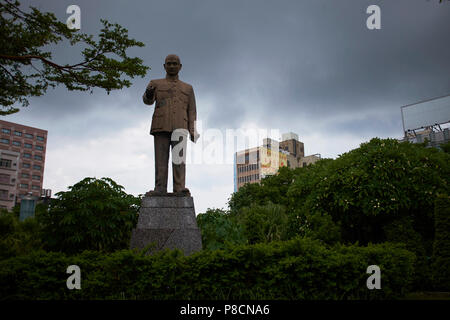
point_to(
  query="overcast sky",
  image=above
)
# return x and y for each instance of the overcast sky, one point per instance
(309, 67)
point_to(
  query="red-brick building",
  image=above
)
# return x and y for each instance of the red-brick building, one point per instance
(22, 159)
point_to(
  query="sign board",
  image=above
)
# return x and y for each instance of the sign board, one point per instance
(426, 113)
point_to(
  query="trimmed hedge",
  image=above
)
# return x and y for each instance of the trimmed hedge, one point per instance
(295, 269)
(441, 247)
(402, 231)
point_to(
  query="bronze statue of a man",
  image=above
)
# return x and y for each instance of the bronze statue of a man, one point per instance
(175, 109)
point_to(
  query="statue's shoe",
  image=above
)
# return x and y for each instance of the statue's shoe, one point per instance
(182, 193)
(156, 192)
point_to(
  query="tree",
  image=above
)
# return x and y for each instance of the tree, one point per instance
(360, 192)
(370, 187)
(264, 223)
(219, 230)
(27, 68)
(18, 237)
(95, 214)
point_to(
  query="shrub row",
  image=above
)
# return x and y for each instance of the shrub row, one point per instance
(294, 269)
(441, 247)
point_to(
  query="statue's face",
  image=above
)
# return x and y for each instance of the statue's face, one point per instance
(172, 66)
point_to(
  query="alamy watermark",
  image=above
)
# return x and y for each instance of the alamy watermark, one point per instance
(374, 281)
(216, 146)
(74, 280)
(74, 20)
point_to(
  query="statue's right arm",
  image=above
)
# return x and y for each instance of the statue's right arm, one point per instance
(149, 94)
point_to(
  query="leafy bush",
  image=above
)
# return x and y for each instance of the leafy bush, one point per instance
(441, 247)
(402, 231)
(18, 237)
(263, 223)
(218, 230)
(371, 186)
(318, 226)
(295, 269)
(96, 214)
(363, 191)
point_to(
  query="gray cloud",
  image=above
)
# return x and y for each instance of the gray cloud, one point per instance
(311, 67)
(308, 57)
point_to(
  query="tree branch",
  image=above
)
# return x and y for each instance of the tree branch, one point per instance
(10, 74)
(29, 57)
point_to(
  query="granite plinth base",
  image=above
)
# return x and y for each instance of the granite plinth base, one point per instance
(167, 222)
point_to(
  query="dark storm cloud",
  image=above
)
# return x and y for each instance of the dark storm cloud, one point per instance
(312, 59)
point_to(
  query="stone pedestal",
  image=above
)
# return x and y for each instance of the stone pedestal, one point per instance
(169, 222)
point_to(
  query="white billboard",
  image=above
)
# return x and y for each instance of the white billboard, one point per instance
(426, 113)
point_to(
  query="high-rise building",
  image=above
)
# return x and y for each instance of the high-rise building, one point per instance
(251, 165)
(22, 159)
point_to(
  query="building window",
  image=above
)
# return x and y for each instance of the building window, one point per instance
(5, 163)
(40, 138)
(28, 146)
(24, 185)
(4, 178)
(29, 135)
(37, 147)
(36, 177)
(3, 140)
(38, 157)
(7, 131)
(17, 143)
(304, 164)
(25, 165)
(4, 194)
(27, 155)
(36, 167)
(25, 175)
(18, 133)
(35, 187)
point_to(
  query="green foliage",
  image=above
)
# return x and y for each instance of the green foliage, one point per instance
(441, 246)
(273, 189)
(263, 223)
(362, 191)
(297, 269)
(402, 231)
(445, 147)
(96, 214)
(24, 40)
(373, 185)
(18, 237)
(218, 230)
(318, 226)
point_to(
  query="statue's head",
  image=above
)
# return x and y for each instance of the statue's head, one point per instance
(172, 65)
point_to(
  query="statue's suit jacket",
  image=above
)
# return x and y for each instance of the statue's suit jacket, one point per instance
(175, 106)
